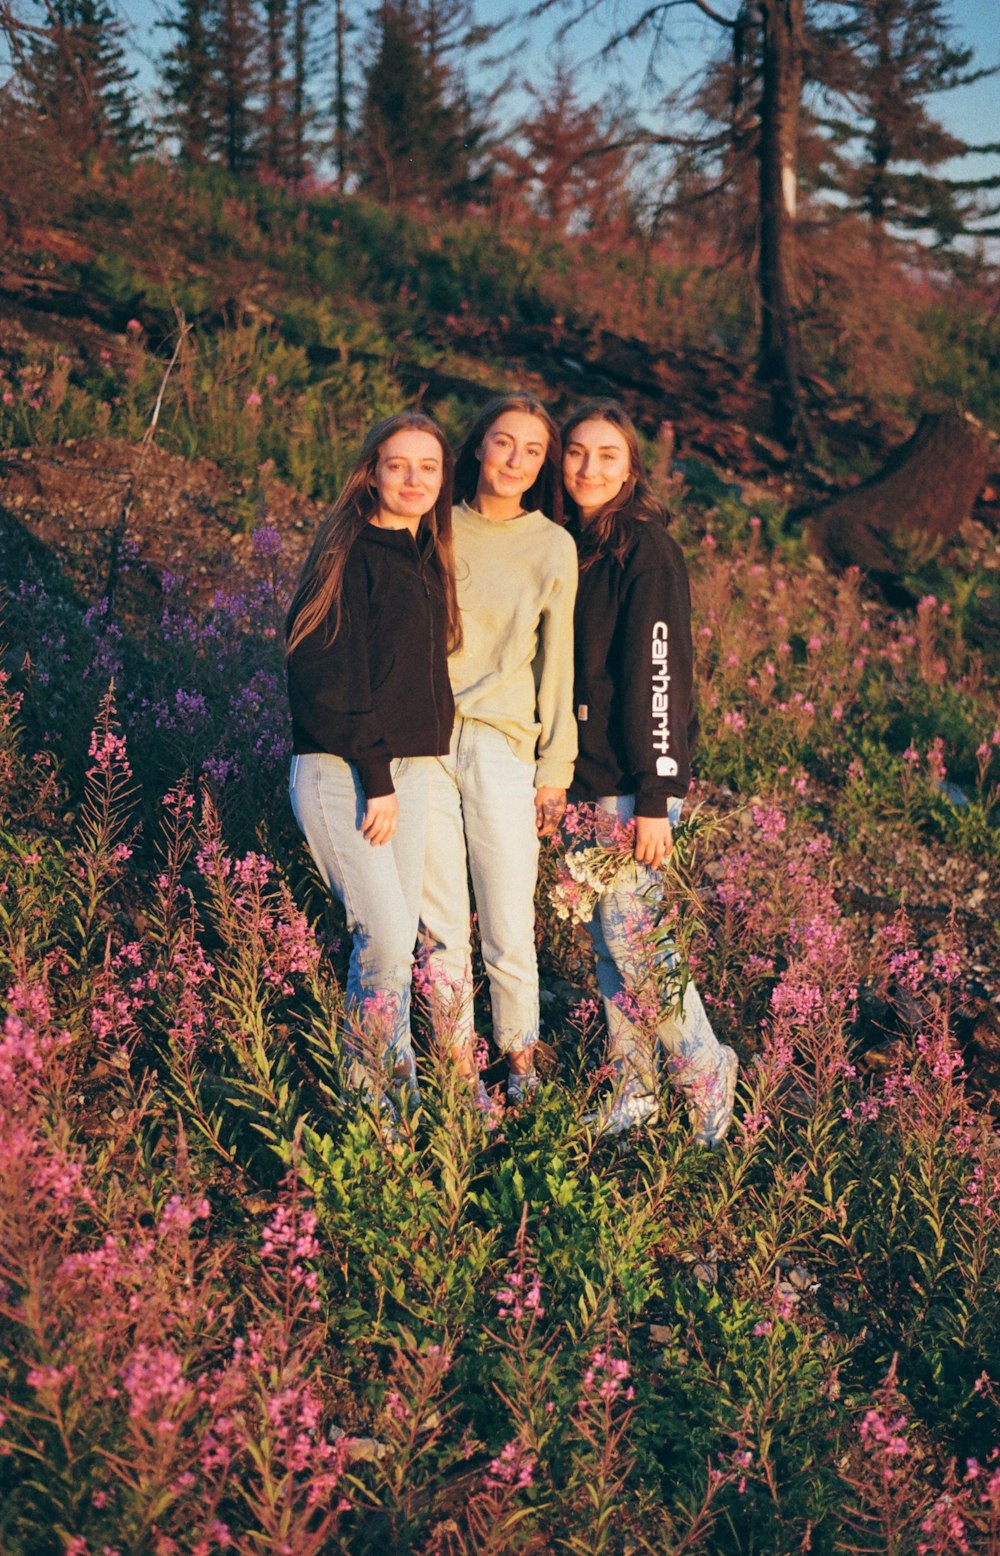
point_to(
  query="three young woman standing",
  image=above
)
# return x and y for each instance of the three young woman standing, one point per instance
(380, 759)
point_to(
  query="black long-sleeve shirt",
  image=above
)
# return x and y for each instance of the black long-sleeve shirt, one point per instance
(380, 690)
(633, 674)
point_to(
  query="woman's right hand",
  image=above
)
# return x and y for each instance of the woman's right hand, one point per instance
(654, 839)
(381, 817)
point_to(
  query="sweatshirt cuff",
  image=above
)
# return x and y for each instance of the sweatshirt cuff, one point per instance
(376, 779)
(553, 775)
(656, 805)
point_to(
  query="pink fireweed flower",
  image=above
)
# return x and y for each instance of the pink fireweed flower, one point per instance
(514, 1466)
(946, 1529)
(770, 822)
(936, 770)
(154, 1382)
(50, 1378)
(947, 967)
(179, 1215)
(881, 1434)
(605, 1377)
(752, 1125)
(109, 753)
(288, 1242)
(521, 1294)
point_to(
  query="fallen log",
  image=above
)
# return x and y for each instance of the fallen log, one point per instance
(904, 514)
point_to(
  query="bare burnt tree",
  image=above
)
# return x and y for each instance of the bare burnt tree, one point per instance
(775, 29)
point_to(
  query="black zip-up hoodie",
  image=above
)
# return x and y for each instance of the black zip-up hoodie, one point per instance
(381, 688)
(633, 675)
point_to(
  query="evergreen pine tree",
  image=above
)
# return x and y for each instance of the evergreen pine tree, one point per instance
(277, 88)
(236, 82)
(301, 113)
(76, 78)
(188, 83)
(416, 137)
(886, 59)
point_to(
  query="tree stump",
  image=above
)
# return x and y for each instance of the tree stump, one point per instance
(902, 516)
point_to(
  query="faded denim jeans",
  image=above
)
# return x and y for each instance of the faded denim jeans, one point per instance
(628, 964)
(380, 890)
(481, 823)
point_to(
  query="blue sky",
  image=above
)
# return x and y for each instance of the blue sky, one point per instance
(970, 112)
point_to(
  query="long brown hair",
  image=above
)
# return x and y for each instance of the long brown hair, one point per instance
(320, 589)
(610, 530)
(546, 493)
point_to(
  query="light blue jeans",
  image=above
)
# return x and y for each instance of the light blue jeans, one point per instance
(380, 890)
(481, 822)
(632, 970)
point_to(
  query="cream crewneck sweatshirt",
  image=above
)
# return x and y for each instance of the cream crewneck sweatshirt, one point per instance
(514, 671)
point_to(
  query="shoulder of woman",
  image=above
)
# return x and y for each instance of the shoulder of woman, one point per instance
(556, 537)
(653, 546)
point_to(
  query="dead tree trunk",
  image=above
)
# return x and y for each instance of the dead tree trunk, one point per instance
(900, 517)
(781, 91)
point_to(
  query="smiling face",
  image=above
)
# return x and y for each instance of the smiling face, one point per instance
(510, 455)
(596, 465)
(408, 478)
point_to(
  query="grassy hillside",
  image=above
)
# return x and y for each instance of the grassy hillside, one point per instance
(309, 318)
(238, 1312)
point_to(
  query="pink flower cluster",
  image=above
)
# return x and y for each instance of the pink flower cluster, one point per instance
(881, 1433)
(520, 1294)
(513, 1468)
(289, 1241)
(606, 1377)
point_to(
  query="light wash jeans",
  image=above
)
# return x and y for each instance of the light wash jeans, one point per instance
(481, 822)
(380, 890)
(627, 964)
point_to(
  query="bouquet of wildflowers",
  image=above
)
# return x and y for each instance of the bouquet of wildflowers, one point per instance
(600, 858)
(600, 852)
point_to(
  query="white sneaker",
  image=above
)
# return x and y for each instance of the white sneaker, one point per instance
(712, 1111)
(628, 1107)
(521, 1086)
(406, 1088)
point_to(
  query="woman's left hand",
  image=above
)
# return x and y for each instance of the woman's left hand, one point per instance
(654, 839)
(550, 806)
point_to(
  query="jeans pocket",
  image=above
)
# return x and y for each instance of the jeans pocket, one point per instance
(293, 772)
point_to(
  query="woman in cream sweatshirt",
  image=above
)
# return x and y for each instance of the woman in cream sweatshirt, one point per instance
(503, 783)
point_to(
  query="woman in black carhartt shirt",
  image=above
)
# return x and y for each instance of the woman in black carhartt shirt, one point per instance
(634, 696)
(369, 631)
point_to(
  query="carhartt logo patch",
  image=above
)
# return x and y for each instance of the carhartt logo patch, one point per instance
(661, 700)
(582, 713)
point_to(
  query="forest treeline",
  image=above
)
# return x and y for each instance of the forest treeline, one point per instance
(806, 120)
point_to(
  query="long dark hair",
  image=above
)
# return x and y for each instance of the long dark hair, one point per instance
(611, 529)
(320, 589)
(546, 494)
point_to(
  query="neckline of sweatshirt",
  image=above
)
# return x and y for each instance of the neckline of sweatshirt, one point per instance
(499, 527)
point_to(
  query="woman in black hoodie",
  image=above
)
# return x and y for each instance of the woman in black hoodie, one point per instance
(634, 697)
(370, 627)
